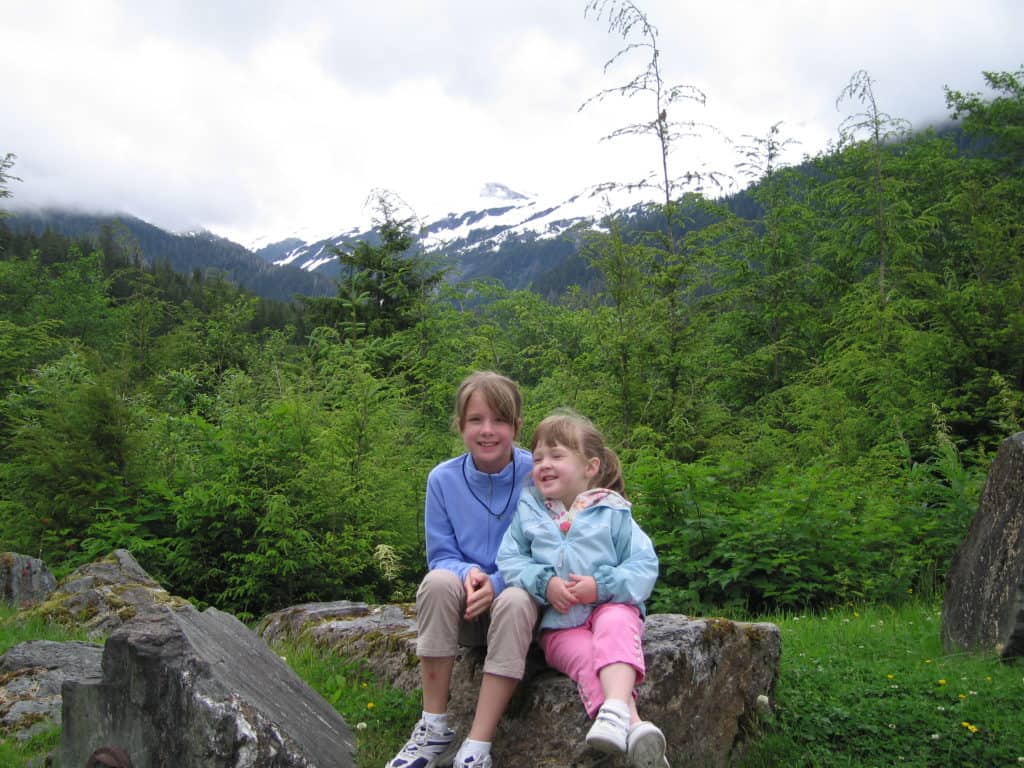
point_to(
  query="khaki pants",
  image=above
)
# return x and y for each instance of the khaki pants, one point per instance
(506, 629)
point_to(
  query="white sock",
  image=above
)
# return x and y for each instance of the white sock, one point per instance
(436, 723)
(617, 707)
(476, 748)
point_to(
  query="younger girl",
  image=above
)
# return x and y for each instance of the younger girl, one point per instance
(574, 546)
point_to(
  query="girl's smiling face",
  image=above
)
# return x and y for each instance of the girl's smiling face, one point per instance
(487, 435)
(562, 473)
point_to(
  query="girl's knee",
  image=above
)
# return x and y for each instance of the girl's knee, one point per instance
(440, 597)
(516, 604)
(515, 596)
(568, 650)
(617, 618)
(438, 582)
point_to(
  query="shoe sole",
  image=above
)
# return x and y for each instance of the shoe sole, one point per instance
(605, 745)
(648, 751)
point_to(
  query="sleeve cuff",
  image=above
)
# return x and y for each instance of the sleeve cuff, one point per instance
(541, 588)
(604, 587)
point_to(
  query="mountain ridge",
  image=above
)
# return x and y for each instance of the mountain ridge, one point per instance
(183, 252)
(520, 240)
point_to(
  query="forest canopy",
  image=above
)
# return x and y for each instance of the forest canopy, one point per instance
(805, 401)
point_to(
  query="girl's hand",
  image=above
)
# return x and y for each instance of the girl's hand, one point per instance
(559, 596)
(479, 593)
(583, 588)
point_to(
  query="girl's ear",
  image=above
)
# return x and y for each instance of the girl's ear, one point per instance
(593, 468)
(518, 426)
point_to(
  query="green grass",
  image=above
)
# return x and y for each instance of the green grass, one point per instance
(380, 716)
(872, 687)
(31, 752)
(861, 687)
(14, 630)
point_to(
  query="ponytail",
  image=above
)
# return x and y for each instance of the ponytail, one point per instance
(610, 474)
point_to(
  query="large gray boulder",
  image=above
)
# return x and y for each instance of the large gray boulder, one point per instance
(184, 688)
(708, 680)
(31, 676)
(983, 608)
(24, 580)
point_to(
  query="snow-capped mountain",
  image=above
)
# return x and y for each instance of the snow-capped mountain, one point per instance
(518, 239)
(499, 220)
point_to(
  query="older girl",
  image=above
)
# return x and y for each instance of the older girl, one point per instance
(470, 503)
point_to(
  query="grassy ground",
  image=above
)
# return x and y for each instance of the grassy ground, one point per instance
(380, 716)
(13, 631)
(858, 687)
(872, 687)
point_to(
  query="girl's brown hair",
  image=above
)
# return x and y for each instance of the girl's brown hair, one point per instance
(499, 392)
(577, 433)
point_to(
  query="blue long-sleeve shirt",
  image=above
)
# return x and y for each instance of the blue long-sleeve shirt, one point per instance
(468, 511)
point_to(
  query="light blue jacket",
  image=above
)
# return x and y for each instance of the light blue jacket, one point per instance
(604, 542)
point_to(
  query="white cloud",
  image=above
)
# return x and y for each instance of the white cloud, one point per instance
(266, 117)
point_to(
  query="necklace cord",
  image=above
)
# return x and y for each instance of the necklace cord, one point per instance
(482, 503)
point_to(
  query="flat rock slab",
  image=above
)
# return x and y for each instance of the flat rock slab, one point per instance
(31, 676)
(704, 680)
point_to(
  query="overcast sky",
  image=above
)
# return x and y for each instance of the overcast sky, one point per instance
(260, 118)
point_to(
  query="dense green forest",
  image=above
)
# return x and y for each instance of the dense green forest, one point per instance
(806, 401)
(187, 253)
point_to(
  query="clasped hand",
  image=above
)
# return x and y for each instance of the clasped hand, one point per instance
(479, 593)
(563, 594)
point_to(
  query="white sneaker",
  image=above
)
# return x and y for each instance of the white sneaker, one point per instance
(426, 749)
(610, 731)
(646, 747)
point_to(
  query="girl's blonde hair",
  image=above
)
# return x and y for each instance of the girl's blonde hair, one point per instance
(577, 433)
(499, 392)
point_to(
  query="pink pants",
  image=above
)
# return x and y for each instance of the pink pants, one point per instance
(613, 634)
